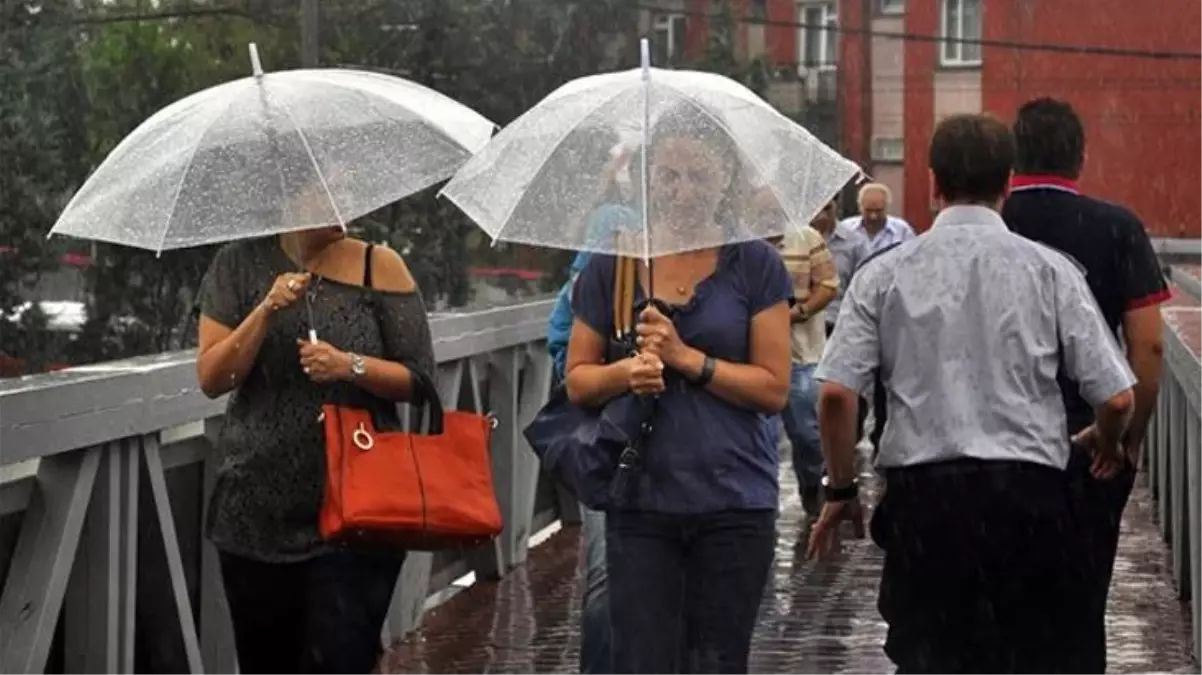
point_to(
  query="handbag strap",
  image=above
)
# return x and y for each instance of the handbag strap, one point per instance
(425, 393)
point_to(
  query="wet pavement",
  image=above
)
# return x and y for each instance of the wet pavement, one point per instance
(816, 618)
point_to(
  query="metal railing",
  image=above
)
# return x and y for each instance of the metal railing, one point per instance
(1173, 455)
(104, 472)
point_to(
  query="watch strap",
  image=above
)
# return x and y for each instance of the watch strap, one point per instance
(707, 371)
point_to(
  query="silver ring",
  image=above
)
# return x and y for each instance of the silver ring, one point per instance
(292, 285)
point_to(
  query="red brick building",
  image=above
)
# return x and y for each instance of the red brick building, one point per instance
(895, 76)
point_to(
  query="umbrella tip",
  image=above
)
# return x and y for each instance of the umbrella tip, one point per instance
(255, 65)
(645, 54)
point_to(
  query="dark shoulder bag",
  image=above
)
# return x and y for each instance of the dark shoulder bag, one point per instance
(591, 451)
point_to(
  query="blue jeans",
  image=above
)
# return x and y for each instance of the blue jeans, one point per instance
(684, 591)
(594, 617)
(801, 425)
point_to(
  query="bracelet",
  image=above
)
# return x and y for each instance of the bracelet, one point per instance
(707, 372)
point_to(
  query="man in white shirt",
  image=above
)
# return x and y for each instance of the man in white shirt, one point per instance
(874, 222)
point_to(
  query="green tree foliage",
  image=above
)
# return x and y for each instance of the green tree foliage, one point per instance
(78, 76)
(40, 93)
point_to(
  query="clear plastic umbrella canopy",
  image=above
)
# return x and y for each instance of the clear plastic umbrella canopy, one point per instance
(271, 153)
(694, 160)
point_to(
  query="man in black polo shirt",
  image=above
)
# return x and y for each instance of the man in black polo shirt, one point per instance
(1123, 273)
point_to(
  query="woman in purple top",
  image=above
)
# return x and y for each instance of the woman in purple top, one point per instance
(690, 551)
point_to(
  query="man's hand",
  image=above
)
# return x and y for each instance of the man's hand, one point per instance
(824, 536)
(1108, 455)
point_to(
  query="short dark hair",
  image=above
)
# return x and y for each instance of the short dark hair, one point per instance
(971, 157)
(1050, 139)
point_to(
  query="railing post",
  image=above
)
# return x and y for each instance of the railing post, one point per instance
(1179, 421)
(41, 564)
(101, 597)
(1193, 453)
(1164, 407)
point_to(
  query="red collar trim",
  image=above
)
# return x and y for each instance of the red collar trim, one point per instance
(1028, 182)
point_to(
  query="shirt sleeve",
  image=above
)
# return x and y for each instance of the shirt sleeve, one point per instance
(222, 293)
(405, 331)
(1091, 355)
(766, 280)
(592, 295)
(853, 351)
(822, 263)
(1142, 281)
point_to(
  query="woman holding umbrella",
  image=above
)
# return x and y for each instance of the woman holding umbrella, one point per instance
(297, 604)
(689, 555)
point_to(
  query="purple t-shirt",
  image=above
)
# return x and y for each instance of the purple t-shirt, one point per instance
(704, 454)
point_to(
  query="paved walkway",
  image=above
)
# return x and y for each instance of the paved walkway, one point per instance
(815, 618)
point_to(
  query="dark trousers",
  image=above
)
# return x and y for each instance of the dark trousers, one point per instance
(684, 591)
(981, 571)
(322, 615)
(1099, 505)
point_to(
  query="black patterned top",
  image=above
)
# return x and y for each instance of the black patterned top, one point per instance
(271, 470)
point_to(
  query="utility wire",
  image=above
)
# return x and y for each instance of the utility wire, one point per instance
(1094, 50)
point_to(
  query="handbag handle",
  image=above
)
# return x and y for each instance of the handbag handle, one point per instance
(425, 392)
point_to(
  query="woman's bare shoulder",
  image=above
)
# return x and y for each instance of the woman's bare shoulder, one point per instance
(390, 274)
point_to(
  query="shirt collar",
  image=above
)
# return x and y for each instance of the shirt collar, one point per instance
(1036, 182)
(969, 215)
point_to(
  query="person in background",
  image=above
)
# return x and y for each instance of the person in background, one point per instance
(1124, 276)
(970, 325)
(815, 284)
(849, 249)
(874, 222)
(610, 217)
(882, 232)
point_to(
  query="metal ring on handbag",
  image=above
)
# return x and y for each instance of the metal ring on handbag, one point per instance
(362, 438)
(493, 422)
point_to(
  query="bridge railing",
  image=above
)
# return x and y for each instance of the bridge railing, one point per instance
(1174, 448)
(104, 472)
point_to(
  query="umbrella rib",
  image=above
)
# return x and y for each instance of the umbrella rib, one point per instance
(554, 146)
(313, 159)
(179, 187)
(722, 123)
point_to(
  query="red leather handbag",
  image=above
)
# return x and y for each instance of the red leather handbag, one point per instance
(409, 490)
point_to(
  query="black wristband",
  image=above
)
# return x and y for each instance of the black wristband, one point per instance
(707, 372)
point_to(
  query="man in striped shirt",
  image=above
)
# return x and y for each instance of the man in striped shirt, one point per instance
(815, 284)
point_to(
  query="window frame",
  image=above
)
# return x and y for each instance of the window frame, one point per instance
(829, 38)
(891, 7)
(662, 26)
(883, 158)
(957, 59)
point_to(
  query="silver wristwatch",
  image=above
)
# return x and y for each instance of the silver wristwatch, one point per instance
(358, 366)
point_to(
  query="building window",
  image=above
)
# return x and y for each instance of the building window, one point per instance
(888, 149)
(816, 37)
(961, 29)
(667, 39)
(891, 6)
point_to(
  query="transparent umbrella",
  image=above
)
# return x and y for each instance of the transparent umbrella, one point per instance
(272, 153)
(541, 177)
